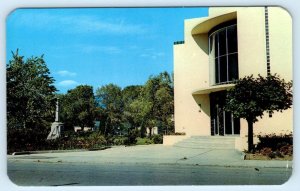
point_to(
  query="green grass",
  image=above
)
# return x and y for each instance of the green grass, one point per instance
(144, 141)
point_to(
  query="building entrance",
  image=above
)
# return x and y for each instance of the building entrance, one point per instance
(222, 122)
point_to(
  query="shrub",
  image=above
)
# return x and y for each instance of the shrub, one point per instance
(119, 140)
(275, 142)
(82, 140)
(275, 145)
(20, 139)
(32, 140)
(157, 139)
(109, 139)
(266, 151)
(131, 137)
(176, 133)
(144, 141)
(96, 140)
(287, 150)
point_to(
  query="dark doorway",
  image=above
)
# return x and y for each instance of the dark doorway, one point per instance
(222, 122)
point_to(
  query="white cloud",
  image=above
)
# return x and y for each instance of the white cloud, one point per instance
(152, 55)
(77, 23)
(101, 49)
(89, 24)
(68, 83)
(85, 48)
(66, 73)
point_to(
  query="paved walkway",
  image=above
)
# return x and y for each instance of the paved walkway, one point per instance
(152, 154)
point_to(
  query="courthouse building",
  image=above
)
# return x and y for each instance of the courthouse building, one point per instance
(229, 44)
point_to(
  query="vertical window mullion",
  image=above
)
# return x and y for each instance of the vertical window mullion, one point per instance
(224, 122)
(226, 53)
(232, 123)
(219, 73)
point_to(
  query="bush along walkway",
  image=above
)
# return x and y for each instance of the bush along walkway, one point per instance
(34, 142)
(59, 151)
(273, 147)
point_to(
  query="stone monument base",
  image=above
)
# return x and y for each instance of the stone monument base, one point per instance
(56, 129)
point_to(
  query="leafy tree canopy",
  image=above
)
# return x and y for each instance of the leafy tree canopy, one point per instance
(109, 99)
(154, 107)
(137, 106)
(129, 95)
(251, 97)
(78, 107)
(30, 92)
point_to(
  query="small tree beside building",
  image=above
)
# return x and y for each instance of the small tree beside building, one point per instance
(253, 97)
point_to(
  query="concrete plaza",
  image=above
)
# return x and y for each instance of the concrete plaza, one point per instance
(145, 165)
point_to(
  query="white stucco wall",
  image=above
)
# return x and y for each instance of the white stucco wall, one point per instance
(191, 68)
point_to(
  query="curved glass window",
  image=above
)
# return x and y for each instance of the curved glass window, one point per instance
(223, 54)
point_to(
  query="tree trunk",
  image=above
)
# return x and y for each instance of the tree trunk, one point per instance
(250, 135)
(150, 131)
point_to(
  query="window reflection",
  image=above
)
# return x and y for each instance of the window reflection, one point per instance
(223, 43)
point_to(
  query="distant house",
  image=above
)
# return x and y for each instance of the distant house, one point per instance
(95, 128)
(229, 44)
(77, 128)
(151, 131)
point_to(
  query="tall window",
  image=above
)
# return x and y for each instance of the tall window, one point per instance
(223, 52)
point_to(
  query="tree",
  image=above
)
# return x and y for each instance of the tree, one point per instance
(30, 92)
(137, 106)
(141, 111)
(251, 97)
(78, 107)
(109, 100)
(165, 102)
(159, 91)
(129, 95)
(154, 106)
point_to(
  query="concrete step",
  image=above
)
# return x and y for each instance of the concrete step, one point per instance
(213, 137)
(207, 142)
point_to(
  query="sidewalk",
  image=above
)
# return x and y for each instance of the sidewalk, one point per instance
(152, 154)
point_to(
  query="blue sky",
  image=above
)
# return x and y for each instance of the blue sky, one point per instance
(98, 46)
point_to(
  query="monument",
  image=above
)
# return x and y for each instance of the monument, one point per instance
(56, 126)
